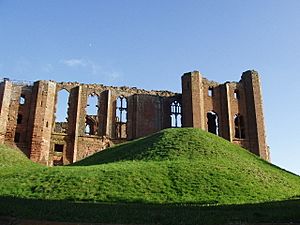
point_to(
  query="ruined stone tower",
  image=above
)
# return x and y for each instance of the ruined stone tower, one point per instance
(28, 115)
(232, 110)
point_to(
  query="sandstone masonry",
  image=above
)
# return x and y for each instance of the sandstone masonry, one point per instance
(28, 115)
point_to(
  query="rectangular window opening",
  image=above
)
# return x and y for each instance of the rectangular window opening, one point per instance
(236, 94)
(210, 92)
(19, 119)
(58, 148)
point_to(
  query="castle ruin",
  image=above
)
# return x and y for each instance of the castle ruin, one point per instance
(28, 115)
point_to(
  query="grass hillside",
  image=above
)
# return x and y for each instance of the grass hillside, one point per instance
(13, 158)
(172, 166)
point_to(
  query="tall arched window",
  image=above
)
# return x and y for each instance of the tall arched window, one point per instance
(239, 126)
(92, 105)
(61, 114)
(175, 114)
(91, 118)
(121, 117)
(19, 118)
(213, 123)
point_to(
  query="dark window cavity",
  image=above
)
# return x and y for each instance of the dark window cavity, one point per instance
(58, 162)
(19, 119)
(17, 137)
(58, 148)
(239, 126)
(213, 123)
(175, 114)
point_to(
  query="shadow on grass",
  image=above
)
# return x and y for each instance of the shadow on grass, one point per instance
(64, 211)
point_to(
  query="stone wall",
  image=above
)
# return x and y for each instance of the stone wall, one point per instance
(5, 98)
(28, 115)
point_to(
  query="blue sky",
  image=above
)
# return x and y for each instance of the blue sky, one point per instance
(150, 44)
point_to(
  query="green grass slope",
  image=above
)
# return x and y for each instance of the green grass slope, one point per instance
(173, 166)
(10, 157)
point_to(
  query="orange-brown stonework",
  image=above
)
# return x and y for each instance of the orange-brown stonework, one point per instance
(232, 110)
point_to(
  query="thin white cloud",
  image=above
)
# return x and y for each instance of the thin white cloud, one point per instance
(74, 62)
(109, 75)
(93, 67)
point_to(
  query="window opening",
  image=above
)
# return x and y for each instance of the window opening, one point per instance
(210, 92)
(58, 162)
(175, 114)
(19, 119)
(91, 119)
(236, 94)
(87, 129)
(92, 105)
(90, 126)
(22, 100)
(239, 126)
(61, 114)
(213, 123)
(17, 137)
(58, 148)
(121, 117)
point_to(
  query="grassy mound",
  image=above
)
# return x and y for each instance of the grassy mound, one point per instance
(169, 144)
(13, 158)
(173, 166)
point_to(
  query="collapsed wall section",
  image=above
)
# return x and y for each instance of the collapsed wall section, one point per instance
(119, 114)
